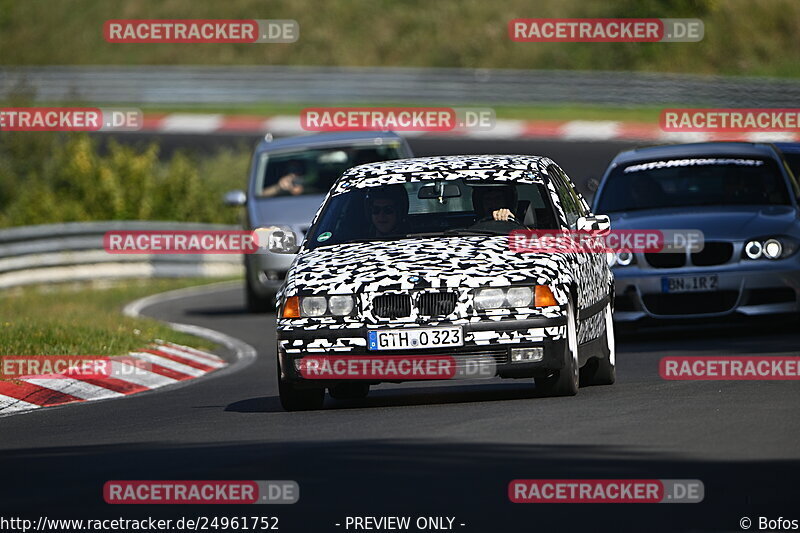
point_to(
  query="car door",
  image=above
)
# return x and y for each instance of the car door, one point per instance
(589, 267)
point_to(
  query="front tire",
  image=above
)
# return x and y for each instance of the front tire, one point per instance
(297, 399)
(565, 382)
(606, 371)
(255, 302)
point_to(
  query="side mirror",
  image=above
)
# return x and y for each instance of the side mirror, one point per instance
(277, 239)
(594, 223)
(235, 198)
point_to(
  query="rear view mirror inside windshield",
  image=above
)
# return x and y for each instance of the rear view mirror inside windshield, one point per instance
(439, 190)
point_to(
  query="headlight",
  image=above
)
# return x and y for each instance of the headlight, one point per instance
(340, 305)
(770, 248)
(536, 296)
(317, 306)
(519, 296)
(490, 298)
(773, 249)
(313, 306)
(753, 249)
(624, 258)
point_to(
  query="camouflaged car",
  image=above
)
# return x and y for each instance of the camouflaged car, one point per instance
(411, 259)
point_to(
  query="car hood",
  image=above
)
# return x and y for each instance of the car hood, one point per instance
(419, 263)
(716, 222)
(288, 210)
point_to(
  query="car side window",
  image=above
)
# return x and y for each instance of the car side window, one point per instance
(579, 203)
(570, 202)
(792, 179)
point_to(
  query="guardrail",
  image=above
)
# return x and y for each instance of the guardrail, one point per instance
(137, 85)
(74, 252)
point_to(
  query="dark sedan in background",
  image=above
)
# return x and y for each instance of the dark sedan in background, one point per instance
(742, 196)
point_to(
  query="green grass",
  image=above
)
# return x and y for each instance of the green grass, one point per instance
(742, 37)
(84, 319)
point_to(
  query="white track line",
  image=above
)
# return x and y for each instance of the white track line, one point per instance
(590, 130)
(168, 363)
(73, 387)
(191, 123)
(244, 353)
(9, 404)
(191, 357)
(189, 349)
(139, 376)
(134, 309)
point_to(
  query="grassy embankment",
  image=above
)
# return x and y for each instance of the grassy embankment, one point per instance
(742, 37)
(84, 319)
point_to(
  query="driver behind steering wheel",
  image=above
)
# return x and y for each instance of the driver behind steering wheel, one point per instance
(495, 203)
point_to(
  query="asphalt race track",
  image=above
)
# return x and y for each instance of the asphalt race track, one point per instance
(433, 449)
(579, 159)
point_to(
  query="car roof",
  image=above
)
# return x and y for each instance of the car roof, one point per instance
(479, 164)
(790, 148)
(695, 149)
(322, 139)
(519, 168)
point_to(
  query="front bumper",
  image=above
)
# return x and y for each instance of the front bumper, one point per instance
(266, 271)
(482, 340)
(756, 289)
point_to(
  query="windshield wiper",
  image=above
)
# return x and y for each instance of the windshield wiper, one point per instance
(374, 239)
(453, 232)
(458, 232)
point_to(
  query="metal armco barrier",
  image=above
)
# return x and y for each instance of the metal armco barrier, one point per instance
(74, 252)
(444, 86)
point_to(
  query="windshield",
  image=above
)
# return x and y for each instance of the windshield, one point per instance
(693, 182)
(793, 159)
(313, 171)
(431, 209)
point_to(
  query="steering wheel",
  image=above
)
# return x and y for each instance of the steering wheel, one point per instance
(489, 223)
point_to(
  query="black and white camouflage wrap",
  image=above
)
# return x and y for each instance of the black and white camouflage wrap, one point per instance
(459, 264)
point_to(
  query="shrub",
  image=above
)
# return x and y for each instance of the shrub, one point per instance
(47, 178)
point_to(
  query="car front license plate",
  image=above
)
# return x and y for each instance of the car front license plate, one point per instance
(689, 284)
(414, 339)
